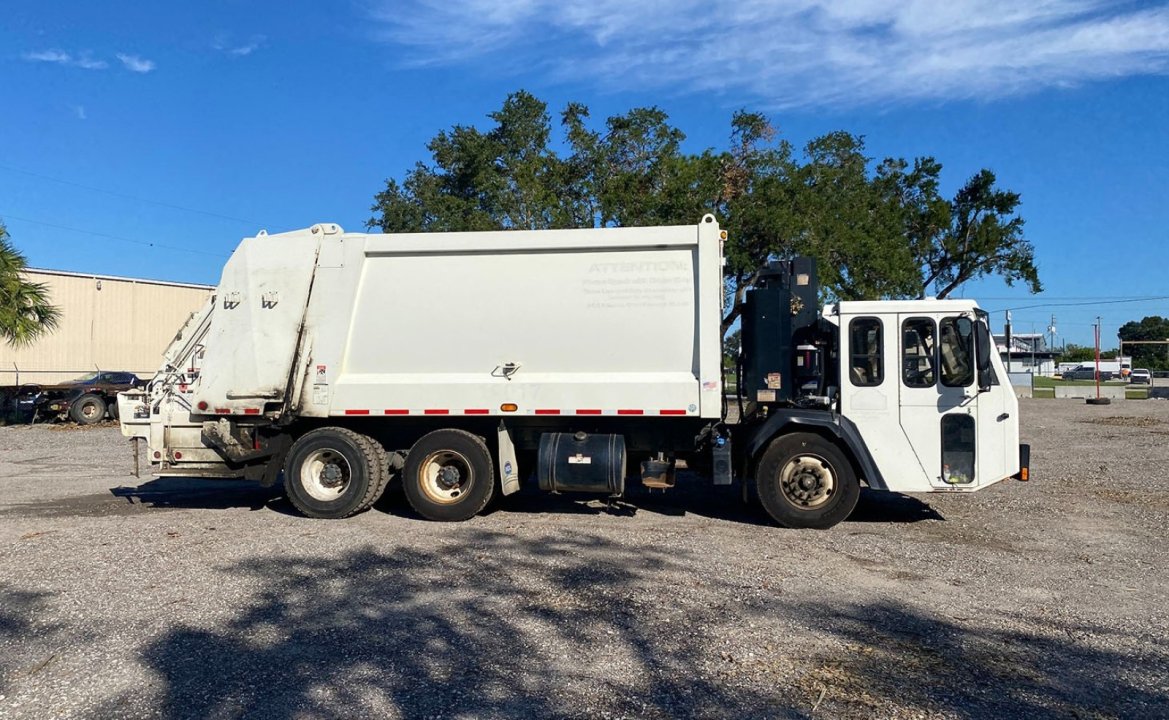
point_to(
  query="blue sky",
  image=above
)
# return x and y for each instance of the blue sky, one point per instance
(232, 116)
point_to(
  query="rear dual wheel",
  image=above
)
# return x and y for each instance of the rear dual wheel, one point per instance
(334, 473)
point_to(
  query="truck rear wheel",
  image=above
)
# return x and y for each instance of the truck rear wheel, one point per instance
(449, 476)
(805, 481)
(334, 472)
(88, 409)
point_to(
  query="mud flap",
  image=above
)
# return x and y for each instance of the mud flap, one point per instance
(509, 474)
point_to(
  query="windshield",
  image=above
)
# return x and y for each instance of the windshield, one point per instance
(88, 377)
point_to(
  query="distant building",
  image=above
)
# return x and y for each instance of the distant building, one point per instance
(1029, 353)
(107, 323)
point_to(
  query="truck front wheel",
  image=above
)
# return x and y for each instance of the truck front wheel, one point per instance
(805, 481)
(334, 473)
(449, 475)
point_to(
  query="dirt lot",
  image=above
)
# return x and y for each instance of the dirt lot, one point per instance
(127, 598)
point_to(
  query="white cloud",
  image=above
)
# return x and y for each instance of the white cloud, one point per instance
(61, 57)
(88, 63)
(136, 64)
(49, 56)
(223, 44)
(797, 53)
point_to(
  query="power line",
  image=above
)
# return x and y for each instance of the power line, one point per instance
(119, 238)
(125, 196)
(1089, 302)
(1065, 297)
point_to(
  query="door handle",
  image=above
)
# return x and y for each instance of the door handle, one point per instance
(1004, 416)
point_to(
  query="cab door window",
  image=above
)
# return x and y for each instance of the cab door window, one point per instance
(919, 349)
(865, 348)
(956, 346)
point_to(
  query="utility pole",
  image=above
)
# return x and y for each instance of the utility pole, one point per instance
(1098, 400)
(1097, 357)
(1034, 341)
(1008, 331)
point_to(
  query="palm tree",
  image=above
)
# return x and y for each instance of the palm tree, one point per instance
(25, 311)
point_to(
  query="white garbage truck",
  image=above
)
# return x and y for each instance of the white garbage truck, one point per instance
(463, 365)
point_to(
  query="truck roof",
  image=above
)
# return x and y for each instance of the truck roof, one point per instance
(865, 307)
(660, 236)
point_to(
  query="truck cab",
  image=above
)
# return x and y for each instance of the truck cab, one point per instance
(929, 395)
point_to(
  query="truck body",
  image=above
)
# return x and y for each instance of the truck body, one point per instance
(462, 363)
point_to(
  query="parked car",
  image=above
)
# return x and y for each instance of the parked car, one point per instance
(85, 400)
(1141, 376)
(1086, 373)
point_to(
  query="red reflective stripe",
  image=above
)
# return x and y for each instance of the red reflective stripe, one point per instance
(673, 412)
(437, 411)
(631, 412)
(357, 412)
(397, 411)
(547, 412)
(476, 411)
(223, 411)
(588, 412)
(251, 411)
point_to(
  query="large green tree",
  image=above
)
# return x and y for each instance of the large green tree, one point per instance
(878, 230)
(25, 310)
(1150, 328)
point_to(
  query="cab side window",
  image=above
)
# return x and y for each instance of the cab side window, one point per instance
(957, 351)
(919, 352)
(865, 348)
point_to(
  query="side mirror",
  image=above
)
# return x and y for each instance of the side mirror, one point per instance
(982, 349)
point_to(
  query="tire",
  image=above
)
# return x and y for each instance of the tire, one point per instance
(332, 473)
(88, 409)
(821, 487)
(449, 476)
(114, 409)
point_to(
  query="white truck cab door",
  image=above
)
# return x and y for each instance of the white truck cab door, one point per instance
(870, 397)
(939, 396)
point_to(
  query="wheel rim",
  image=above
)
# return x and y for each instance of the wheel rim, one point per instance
(808, 481)
(445, 476)
(325, 475)
(89, 410)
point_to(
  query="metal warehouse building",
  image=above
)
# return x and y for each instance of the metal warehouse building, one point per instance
(107, 323)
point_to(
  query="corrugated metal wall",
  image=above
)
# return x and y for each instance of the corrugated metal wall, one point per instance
(107, 324)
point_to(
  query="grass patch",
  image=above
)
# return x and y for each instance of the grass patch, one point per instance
(1043, 392)
(1046, 382)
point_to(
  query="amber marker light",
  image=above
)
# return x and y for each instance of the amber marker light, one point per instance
(508, 407)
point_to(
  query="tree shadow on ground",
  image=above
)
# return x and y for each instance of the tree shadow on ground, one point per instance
(943, 665)
(18, 612)
(488, 625)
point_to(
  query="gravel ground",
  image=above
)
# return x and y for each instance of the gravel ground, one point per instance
(204, 599)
